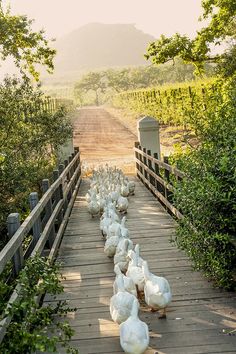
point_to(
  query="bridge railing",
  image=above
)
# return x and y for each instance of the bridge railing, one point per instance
(158, 176)
(44, 226)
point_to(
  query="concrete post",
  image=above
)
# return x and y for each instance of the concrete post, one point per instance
(148, 134)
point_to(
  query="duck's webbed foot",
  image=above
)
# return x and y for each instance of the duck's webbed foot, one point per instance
(154, 309)
(163, 314)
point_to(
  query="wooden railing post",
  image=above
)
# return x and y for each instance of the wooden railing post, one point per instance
(48, 212)
(61, 169)
(66, 163)
(58, 196)
(168, 194)
(136, 145)
(37, 227)
(159, 186)
(149, 162)
(145, 163)
(13, 224)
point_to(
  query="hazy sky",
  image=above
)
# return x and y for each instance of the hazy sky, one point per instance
(59, 17)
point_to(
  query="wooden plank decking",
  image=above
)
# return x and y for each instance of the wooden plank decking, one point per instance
(198, 313)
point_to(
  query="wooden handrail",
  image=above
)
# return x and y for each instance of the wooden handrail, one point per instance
(73, 170)
(15, 242)
(148, 170)
(162, 164)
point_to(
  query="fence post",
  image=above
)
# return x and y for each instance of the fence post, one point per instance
(157, 172)
(145, 162)
(48, 212)
(148, 134)
(136, 145)
(151, 178)
(168, 194)
(58, 196)
(37, 227)
(61, 188)
(13, 224)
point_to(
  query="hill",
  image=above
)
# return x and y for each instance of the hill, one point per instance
(96, 46)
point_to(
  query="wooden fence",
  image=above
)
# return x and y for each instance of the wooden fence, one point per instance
(150, 170)
(44, 226)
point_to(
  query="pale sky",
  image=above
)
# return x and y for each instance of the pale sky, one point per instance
(59, 17)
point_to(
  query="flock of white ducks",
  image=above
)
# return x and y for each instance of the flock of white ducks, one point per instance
(108, 198)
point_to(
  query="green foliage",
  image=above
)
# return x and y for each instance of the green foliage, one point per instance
(33, 327)
(112, 81)
(29, 137)
(93, 81)
(178, 104)
(207, 197)
(26, 47)
(221, 16)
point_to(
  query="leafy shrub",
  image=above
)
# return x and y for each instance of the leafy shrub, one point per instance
(207, 197)
(29, 137)
(33, 327)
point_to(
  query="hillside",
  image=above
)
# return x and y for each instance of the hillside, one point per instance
(95, 46)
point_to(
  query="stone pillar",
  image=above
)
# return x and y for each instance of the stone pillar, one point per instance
(148, 134)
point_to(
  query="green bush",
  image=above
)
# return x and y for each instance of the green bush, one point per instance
(29, 137)
(207, 196)
(35, 327)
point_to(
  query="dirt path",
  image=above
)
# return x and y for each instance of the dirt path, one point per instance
(102, 138)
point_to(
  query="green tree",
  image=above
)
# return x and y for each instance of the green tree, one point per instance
(222, 26)
(93, 81)
(26, 47)
(29, 137)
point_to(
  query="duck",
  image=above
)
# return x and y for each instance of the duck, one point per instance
(105, 222)
(121, 303)
(111, 244)
(128, 282)
(135, 272)
(124, 190)
(157, 291)
(123, 229)
(131, 186)
(121, 245)
(122, 204)
(93, 206)
(113, 227)
(134, 334)
(120, 256)
(140, 260)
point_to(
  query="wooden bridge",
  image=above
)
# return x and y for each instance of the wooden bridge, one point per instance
(199, 316)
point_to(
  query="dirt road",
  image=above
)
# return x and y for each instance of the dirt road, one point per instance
(103, 139)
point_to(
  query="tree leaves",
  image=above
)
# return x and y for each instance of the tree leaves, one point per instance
(28, 48)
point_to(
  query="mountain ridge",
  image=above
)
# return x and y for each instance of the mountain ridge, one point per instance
(96, 45)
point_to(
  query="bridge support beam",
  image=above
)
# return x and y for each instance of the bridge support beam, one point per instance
(148, 134)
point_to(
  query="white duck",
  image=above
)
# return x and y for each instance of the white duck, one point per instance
(140, 260)
(124, 190)
(131, 186)
(111, 244)
(156, 290)
(121, 303)
(93, 206)
(122, 204)
(105, 222)
(134, 334)
(128, 282)
(123, 229)
(135, 272)
(114, 227)
(120, 256)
